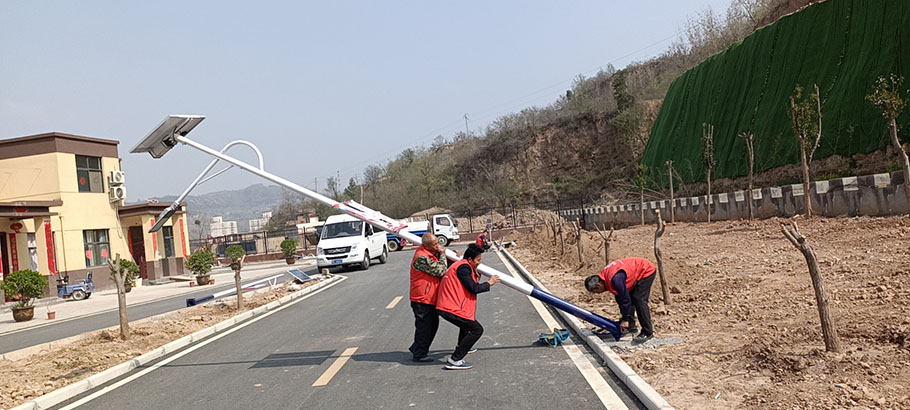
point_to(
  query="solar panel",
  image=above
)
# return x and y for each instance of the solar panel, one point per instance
(161, 139)
(299, 275)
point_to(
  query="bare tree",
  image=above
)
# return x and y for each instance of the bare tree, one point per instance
(807, 123)
(887, 97)
(641, 181)
(672, 201)
(664, 288)
(606, 238)
(237, 255)
(748, 138)
(577, 226)
(707, 148)
(119, 277)
(829, 330)
(562, 239)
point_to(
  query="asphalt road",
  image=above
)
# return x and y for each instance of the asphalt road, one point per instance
(274, 362)
(23, 338)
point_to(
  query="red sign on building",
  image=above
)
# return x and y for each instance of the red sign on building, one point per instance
(49, 240)
(13, 252)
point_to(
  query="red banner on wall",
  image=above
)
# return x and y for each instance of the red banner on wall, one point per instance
(49, 240)
(13, 253)
(154, 240)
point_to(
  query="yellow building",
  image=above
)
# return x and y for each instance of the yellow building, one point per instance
(62, 212)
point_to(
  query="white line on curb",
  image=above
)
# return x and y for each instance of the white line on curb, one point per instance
(650, 397)
(65, 393)
(604, 392)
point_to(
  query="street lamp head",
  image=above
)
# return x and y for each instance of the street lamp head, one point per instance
(163, 137)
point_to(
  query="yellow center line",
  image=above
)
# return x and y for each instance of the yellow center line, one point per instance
(394, 302)
(335, 367)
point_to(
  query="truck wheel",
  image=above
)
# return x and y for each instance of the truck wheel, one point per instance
(443, 241)
(394, 246)
(366, 261)
(78, 295)
(385, 255)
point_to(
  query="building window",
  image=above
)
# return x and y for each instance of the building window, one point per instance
(97, 247)
(33, 252)
(88, 174)
(168, 233)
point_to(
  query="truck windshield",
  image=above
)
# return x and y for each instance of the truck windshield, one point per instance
(342, 229)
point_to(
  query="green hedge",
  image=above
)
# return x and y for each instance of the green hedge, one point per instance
(841, 45)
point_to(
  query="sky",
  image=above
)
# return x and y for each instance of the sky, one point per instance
(322, 88)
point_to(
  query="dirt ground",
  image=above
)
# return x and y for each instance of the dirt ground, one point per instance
(746, 311)
(42, 373)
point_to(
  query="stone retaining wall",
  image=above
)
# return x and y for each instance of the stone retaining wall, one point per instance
(869, 195)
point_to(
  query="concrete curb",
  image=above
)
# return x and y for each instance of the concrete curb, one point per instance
(71, 390)
(182, 291)
(642, 390)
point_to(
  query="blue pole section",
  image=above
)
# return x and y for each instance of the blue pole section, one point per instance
(597, 320)
(196, 301)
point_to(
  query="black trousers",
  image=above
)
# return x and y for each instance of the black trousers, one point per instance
(426, 322)
(640, 294)
(469, 332)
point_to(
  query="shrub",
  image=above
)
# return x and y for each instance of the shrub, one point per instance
(129, 269)
(200, 263)
(234, 252)
(289, 247)
(27, 283)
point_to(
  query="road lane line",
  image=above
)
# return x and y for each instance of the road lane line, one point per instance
(189, 350)
(601, 388)
(394, 302)
(336, 366)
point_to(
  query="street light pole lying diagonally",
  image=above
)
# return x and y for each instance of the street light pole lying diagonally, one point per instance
(173, 130)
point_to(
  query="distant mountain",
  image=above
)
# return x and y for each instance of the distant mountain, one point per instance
(238, 205)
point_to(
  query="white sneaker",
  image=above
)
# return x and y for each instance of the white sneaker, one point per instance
(459, 365)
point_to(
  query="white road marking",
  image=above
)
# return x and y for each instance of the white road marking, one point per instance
(603, 390)
(335, 367)
(394, 302)
(189, 350)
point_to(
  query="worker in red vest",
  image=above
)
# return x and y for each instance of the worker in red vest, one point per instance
(457, 302)
(427, 267)
(482, 240)
(629, 280)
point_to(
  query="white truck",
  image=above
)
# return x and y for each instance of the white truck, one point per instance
(444, 227)
(348, 241)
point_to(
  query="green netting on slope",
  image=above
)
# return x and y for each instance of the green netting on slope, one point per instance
(841, 45)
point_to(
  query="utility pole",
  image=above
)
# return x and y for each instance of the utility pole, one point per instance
(466, 132)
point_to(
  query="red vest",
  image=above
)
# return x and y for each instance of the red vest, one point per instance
(453, 297)
(423, 285)
(635, 268)
(481, 240)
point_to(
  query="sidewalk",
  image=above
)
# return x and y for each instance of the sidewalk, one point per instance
(106, 300)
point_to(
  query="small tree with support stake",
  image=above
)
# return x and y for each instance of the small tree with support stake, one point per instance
(236, 254)
(829, 330)
(119, 278)
(807, 124)
(606, 238)
(664, 288)
(707, 149)
(887, 97)
(748, 138)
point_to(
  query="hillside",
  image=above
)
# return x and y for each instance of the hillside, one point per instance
(582, 147)
(843, 46)
(239, 205)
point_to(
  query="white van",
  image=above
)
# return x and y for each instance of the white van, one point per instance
(347, 241)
